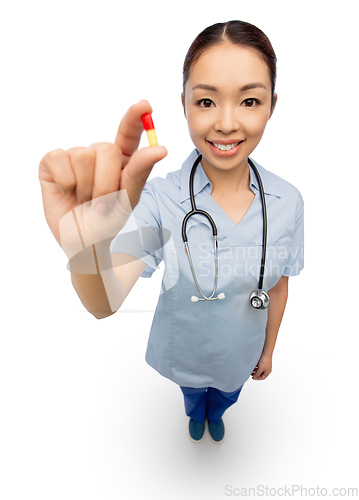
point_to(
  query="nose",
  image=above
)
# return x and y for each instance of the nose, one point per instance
(227, 120)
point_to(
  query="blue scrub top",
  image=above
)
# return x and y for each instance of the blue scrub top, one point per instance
(211, 343)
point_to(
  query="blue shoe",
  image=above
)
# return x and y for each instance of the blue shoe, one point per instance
(216, 431)
(196, 430)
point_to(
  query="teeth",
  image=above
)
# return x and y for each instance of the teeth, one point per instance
(226, 147)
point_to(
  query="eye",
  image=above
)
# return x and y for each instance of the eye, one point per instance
(204, 103)
(251, 102)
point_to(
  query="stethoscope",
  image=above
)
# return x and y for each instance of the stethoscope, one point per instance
(258, 299)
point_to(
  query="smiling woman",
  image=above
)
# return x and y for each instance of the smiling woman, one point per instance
(227, 102)
(208, 347)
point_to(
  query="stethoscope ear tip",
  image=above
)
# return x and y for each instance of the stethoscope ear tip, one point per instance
(196, 299)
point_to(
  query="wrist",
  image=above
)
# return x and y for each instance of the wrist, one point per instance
(92, 259)
(267, 353)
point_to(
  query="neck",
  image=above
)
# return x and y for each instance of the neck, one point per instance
(227, 182)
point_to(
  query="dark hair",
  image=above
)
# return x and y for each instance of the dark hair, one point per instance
(236, 32)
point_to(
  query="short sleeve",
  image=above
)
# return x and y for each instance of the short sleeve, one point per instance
(142, 234)
(295, 260)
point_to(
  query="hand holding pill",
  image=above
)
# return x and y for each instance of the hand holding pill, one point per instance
(89, 192)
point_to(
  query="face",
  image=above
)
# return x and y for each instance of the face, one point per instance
(226, 121)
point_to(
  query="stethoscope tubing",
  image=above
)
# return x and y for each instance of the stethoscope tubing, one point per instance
(195, 211)
(264, 237)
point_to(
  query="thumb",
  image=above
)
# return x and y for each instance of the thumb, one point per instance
(137, 170)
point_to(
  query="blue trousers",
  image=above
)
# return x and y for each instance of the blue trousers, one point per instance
(207, 402)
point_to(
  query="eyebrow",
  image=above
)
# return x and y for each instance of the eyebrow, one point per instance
(242, 89)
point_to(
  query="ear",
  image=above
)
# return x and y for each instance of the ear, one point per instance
(275, 102)
(184, 108)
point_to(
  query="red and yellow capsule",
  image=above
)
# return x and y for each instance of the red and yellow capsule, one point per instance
(150, 129)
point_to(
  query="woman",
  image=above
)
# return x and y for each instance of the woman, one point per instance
(208, 347)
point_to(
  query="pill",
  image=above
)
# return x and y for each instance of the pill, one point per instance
(150, 129)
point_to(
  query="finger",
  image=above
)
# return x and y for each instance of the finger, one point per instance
(130, 129)
(136, 172)
(55, 167)
(107, 172)
(261, 375)
(82, 161)
(257, 373)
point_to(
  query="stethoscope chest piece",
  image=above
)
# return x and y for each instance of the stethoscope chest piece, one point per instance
(259, 299)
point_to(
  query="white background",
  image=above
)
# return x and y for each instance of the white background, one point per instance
(82, 414)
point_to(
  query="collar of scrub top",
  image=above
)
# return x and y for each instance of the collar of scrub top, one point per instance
(201, 180)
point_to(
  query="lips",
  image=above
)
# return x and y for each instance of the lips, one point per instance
(225, 148)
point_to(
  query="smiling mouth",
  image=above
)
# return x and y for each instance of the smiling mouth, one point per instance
(225, 147)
